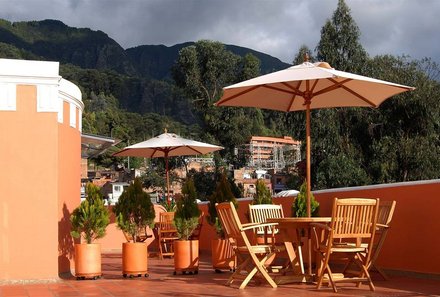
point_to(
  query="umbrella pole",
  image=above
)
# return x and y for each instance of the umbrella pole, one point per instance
(167, 178)
(308, 146)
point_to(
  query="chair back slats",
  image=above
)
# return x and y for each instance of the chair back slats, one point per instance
(229, 220)
(259, 213)
(386, 211)
(354, 218)
(166, 221)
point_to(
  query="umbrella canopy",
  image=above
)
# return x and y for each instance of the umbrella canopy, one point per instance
(167, 145)
(309, 86)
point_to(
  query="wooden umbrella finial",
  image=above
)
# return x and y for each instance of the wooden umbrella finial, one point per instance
(306, 57)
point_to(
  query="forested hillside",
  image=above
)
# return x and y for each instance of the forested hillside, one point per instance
(133, 94)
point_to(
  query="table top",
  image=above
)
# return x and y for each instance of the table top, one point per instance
(299, 220)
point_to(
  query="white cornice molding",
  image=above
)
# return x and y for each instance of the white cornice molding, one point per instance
(29, 68)
(70, 92)
(45, 75)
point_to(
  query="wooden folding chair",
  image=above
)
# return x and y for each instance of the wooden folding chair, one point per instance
(384, 217)
(251, 258)
(353, 221)
(167, 233)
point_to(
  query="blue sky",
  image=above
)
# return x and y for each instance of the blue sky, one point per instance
(275, 27)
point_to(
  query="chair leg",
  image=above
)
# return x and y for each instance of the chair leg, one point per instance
(380, 271)
(323, 269)
(160, 249)
(367, 275)
(260, 266)
(330, 278)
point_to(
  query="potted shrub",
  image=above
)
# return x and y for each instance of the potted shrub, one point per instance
(222, 253)
(262, 193)
(186, 219)
(89, 221)
(299, 206)
(134, 213)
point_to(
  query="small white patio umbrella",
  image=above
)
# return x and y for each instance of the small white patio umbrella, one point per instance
(167, 145)
(309, 86)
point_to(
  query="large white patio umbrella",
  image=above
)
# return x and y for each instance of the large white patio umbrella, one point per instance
(309, 86)
(167, 145)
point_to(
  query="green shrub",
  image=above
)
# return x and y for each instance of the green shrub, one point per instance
(223, 193)
(299, 207)
(91, 217)
(134, 210)
(187, 213)
(262, 193)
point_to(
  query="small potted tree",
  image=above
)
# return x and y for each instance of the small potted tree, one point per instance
(89, 221)
(222, 253)
(262, 193)
(299, 206)
(186, 219)
(134, 213)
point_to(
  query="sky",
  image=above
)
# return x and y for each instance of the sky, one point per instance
(274, 27)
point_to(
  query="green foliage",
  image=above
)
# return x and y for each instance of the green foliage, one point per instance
(134, 210)
(91, 217)
(299, 206)
(223, 193)
(300, 56)
(169, 205)
(339, 44)
(399, 141)
(187, 213)
(204, 182)
(262, 194)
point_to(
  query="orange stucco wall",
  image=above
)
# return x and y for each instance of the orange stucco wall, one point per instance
(412, 243)
(69, 180)
(29, 187)
(40, 157)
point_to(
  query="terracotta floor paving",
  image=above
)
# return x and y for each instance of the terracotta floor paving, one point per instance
(162, 282)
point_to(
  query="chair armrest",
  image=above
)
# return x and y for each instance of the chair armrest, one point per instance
(321, 226)
(382, 226)
(249, 224)
(257, 225)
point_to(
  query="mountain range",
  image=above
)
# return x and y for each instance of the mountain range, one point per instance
(88, 49)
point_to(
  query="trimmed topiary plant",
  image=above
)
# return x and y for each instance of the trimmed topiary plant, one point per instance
(187, 213)
(89, 220)
(134, 210)
(262, 193)
(91, 217)
(299, 206)
(222, 193)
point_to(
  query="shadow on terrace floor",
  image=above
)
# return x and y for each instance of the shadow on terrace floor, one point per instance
(162, 282)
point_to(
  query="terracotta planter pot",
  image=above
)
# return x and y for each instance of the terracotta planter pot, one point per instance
(88, 260)
(186, 256)
(134, 259)
(223, 256)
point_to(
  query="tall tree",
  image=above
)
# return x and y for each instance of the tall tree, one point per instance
(336, 156)
(202, 70)
(302, 52)
(339, 44)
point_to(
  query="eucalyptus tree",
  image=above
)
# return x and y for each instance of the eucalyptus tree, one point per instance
(202, 70)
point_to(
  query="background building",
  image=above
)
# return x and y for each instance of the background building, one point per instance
(273, 152)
